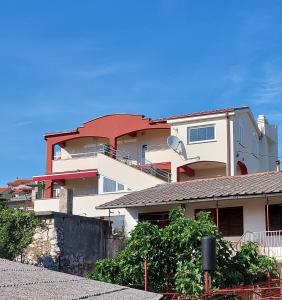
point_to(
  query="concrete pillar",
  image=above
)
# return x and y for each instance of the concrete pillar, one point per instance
(66, 201)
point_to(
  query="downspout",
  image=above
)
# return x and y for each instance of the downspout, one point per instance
(228, 167)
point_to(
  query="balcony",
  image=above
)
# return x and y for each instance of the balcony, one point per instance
(84, 205)
(105, 159)
(269, 242)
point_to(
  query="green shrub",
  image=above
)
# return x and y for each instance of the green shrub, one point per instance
(16, 231)
(173, 256)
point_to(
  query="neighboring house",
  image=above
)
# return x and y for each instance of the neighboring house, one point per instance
(245, 208)
(5, 194)
(20, 193)
(20, 281)
(117, 154)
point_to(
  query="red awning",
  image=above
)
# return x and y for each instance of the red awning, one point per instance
(66, 175)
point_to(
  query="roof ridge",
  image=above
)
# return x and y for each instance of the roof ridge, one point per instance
(199, 113)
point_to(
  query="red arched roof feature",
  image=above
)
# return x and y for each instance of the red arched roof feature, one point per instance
(243, 167)
(110, 126)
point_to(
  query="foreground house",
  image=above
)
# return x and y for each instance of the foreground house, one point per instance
(115, 155)
(245, 207)
(20, 281)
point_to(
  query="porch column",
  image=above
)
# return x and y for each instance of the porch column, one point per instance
(48, 193)
(113, 143)
(217, 219)
(267, 215)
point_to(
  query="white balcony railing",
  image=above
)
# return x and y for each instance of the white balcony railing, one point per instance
(269, 242)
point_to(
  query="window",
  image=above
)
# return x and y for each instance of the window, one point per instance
(158, 218)
(201, 134)
(230, 220)
(111, 186)
(144, 148)
(275, 217)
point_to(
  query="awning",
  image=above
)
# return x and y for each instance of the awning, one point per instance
(66, 175)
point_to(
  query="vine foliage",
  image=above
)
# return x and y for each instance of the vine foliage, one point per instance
(173, 257)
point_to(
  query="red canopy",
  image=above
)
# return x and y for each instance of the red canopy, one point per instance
(66, 175)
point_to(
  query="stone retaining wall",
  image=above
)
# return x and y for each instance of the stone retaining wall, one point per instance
(70, 244)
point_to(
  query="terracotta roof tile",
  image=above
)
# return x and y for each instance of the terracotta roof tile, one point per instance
(19, 181)
(3, 189)
(202, 189)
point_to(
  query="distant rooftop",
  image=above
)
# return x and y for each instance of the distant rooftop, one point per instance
(20, 281)
(19, 181)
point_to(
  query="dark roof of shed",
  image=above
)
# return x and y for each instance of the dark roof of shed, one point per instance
(20, 281)
(202, 189)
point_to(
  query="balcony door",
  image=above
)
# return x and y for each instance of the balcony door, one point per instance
(143, 154)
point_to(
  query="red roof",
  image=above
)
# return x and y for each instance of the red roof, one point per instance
(197, 114)
(19, 182)
(3, 189)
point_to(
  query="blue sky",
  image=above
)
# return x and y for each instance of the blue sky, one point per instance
(65, 62)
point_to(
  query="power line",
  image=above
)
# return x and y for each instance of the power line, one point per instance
(257, 154)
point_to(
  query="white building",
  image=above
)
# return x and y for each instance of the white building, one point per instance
(115, 155)
(244, 208)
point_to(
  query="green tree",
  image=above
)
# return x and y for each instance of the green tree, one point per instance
(173, 256)
(16, 231)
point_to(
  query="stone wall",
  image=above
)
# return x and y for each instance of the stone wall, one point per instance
(71, 244)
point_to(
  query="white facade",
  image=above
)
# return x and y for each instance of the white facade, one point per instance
(224, 139)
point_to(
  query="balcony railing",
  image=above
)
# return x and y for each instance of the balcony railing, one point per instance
(126, 158)
(269, 242)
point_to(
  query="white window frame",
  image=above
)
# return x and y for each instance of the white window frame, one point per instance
(202, 141)
(101, 186)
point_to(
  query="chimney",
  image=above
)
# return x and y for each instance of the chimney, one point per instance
(277, 164)
(262, 122)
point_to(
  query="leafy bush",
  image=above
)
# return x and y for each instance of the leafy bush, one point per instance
(16, 231)
(173, 257)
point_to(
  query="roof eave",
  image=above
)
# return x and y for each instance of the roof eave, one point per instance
(184, 201)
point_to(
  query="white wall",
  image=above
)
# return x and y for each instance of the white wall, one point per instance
(206, 151)
(81, 145)
(83, 186)
(46, 205)
(154, 139)
(133, 178)
(253, 212)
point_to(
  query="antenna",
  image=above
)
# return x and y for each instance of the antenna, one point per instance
(173, 142)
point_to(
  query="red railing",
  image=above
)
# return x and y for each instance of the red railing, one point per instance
(271, 290)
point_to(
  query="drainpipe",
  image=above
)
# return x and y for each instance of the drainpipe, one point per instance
(228, 167)
(277, 164)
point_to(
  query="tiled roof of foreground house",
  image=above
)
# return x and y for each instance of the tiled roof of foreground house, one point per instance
(19, 281)
(203, 189)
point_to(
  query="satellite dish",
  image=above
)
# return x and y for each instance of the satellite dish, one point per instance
(173, 142)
